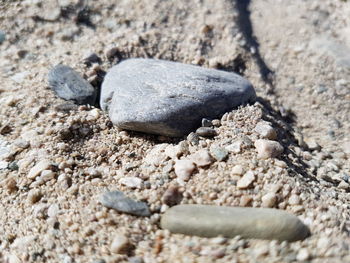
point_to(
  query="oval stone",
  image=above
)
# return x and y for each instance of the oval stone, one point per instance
(212, 221)
(169, 98)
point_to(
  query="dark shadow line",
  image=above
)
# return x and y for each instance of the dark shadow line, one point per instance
(246, 28)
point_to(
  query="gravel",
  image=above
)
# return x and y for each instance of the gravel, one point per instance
(199, 33)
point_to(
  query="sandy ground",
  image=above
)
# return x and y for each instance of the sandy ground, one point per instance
(296, 54)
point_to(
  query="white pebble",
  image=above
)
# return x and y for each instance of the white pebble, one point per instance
(265, 130)
(119, 244)
(132, 182)
(238, 170)
(303, 254)
(184, 169)
(269, 200)
(246, 180)
(268, 149)
(38, 168)
(202, 158)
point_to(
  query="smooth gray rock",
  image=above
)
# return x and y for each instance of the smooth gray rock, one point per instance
(211, 221)
(69, 85)
(118, 201)
(169, 98)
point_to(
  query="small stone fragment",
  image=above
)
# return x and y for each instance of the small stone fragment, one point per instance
(53, 210)
(206, 132)
(69, 85)
(193, 138)
(120, 244)
(238, 170)
(269, 200)
(206, 123)
(38, 168)
(118, 201)
(220, 154)
(172, 196)
(303, 254)
(294, 200)
(245, 200)
(34, 196)
(268, 149)
(312, 145)
(265, 130)
(3, 165)
(184, 169)
(235, 147)
(132, 182)
(10, 184)
(212, 221)
(201, 158)
(92, 58)
(246, 181)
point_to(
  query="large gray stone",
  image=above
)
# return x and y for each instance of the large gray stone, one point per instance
(211, 221)
(169, 98)
(69, 85)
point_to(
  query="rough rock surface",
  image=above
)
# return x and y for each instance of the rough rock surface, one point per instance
(69, 85)
(212, 221)
(169, 98)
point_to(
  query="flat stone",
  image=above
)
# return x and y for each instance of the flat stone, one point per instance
(201, 158)
(69, 85)
(220, 154)
(246, 181)
(118, 201)
(131, 181)
(212, 221)
(169, 98)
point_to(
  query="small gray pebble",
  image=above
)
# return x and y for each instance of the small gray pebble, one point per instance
(206, 123)
(13, 166)
(118, 201)
(193, 138)
(206, 132)
(220, 154)
(69, 85)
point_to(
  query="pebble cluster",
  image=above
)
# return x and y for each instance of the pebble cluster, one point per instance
(60, 161)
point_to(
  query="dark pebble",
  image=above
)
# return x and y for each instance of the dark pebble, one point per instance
(69, 85)
(206, 132)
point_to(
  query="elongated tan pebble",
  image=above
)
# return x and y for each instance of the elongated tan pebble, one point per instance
(212, 221)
